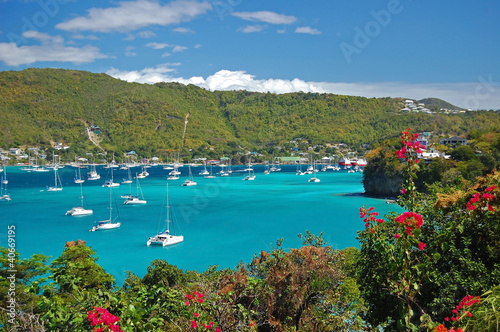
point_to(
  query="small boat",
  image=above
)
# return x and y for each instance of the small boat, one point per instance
(78, 176)
(205, 171)
(250, 176)
(144, 174)
(314, 178)
(128, 180)
(93, 175)
(164, 237)
(210, 176)
(4, 177)
(189, 182)
(133, 200)
(110, 223)
(4, 197)
(79, 210)
(110, 182)
(58, 184)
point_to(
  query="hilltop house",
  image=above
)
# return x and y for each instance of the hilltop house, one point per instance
(454, 141)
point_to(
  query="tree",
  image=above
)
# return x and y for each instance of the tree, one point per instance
(463, 153)
(77, 269)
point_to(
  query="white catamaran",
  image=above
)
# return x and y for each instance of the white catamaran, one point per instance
(110, 223)
(164, 237)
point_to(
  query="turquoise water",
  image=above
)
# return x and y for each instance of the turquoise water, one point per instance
(224, 221)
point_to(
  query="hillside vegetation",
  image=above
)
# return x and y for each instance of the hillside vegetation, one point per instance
(41, 106)
(438, 104)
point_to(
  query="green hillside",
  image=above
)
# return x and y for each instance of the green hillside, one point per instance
(438, 103)
(42, 106)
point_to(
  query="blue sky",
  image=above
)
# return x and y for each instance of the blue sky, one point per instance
(398, 48)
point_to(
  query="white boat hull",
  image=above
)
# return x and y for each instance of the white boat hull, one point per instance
(134, 200)
(4, 198)
(105, 226)
(79, 211)
(165, 240)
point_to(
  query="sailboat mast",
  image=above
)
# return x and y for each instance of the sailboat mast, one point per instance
(110, 203)
(168, 211)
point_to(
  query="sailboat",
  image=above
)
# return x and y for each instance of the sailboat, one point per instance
(57, 182)
(129, 177)
(164, 238)
(108, 223)
(93, 175)
(250, 176)
(204, 172)
(80, 210)
(131, 200)
(4, 177)
(143, 174)
(211, 176)
(36, 168)
(314, 178)
(78, 176)
(111, 183)
(189, 182)
(267, 171)
(4, 197)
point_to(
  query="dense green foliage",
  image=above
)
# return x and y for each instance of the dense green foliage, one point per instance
(383, 176)
(41, 106)
(436, 103)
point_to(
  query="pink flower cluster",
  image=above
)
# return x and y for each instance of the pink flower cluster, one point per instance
(101, 316)
(410, 145)
(197, 298)
(463, 307)
(194, 297)
(411, 220)
(472, 204)
(369, 217)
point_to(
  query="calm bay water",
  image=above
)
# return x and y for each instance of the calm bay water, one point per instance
(223, 220)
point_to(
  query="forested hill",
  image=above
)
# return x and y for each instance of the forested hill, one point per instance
(42, 106)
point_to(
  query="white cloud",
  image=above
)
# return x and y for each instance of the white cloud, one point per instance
(266, 17)
(466, 95)
(157, 46)
(179, 48)
(164, 55)
(146, 75)
(252, 28)
(129, 51)
(197, 46)
(52, 48)
(146, 34)
(133, 15)
(183, 30)
(308, 30)
(81, 36)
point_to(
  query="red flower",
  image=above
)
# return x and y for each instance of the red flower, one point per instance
(196, 315)
(421, 246)
(194, 325)
(397, 236)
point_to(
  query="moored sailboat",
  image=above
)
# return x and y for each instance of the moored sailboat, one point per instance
(80, 210)
(164, 237)
(110, 223)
